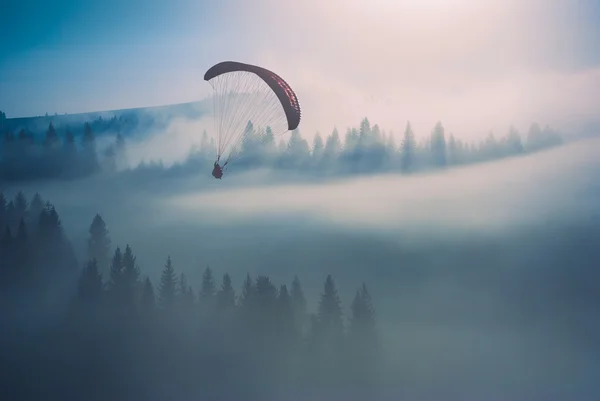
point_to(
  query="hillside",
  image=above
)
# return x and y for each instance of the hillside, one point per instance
(136, 117)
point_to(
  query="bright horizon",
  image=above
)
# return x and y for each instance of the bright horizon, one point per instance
(475, 66)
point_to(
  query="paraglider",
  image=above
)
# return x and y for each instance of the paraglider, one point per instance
(217, 169)
(244, 94)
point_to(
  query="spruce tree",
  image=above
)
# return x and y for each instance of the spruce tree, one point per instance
(147, 301)
(206, 299)
(98, 246)
(226, 295)
(131, 274)
(90, 287)
(408, 150)
(167, 296)
(35, 208)
(298, 302)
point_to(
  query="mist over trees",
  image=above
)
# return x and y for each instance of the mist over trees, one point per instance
(72, 151)
(100, 329)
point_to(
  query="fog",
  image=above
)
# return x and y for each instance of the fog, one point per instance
(484, 277)
(479, 247)
(476, 65)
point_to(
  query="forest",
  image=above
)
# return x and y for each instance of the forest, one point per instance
(72, 332)
(97, 324)
(67, 152)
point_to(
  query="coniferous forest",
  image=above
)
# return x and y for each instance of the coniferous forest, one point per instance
(70, 332)
(98, 324)
(66, 151)
(300, 200)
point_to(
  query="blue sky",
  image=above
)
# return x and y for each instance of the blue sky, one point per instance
(58, 53)
(85, 55)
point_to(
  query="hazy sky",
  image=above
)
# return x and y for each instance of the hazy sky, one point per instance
(474, 64)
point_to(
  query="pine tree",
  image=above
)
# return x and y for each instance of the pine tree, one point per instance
(99, 243)
(438, 146)
(265, 320)
(70, 154)
(51, 137)
(268, 147)
(318, 148)
(452, 150)
(515, 145)
(167, 296)
(89, 157)
(226, 295)
(330, 310)
(246, 300)
(185, 293)
(362, 324)
(327, 337)
(364, 133)
(206, 298)
(333, 145)
(408, 149)
(208, 288)
(147, 301)
(298, 151)
(298, 302)
(90, 288)
(364, 352)
(131, 274)
(120, 152)
(35, 208)
(285, 314)
(11, 215)
(116, 285)
(21, 206)
(265, 296)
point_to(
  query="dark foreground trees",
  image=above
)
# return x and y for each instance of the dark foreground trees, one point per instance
(71, 331)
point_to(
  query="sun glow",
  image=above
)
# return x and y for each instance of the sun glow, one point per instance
(415, 4)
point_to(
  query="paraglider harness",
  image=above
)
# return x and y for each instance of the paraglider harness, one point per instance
(218, 170)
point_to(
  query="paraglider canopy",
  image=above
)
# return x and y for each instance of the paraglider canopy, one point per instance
(248, 95)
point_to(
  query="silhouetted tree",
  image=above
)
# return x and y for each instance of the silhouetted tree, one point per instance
(116, 282)
(147, 300)
(247, 294)
(186, 294)
(327, 337)
(89, 157)
(99, 243)
(35, 208)
(226, 295)
(438, 146)
(21, 206)
(298, 302)
(70, 154)
(514, 145)
(363, 341)
(408, 149)
(90, 288)
(130, 277)
(167, 295)
(206, 299)
(11, 215)
(318, 149)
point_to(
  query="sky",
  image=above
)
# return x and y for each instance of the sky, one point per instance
(475, 65)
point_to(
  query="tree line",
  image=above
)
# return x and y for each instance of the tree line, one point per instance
(363, 149)
(101, 330)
